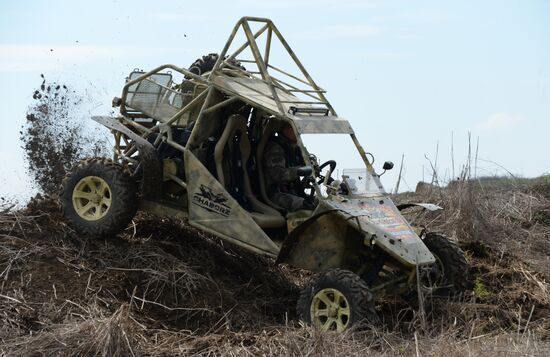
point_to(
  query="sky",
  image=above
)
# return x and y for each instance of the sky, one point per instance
(412, 77)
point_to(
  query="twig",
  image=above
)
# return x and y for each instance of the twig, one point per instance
(10, 298)
(475, 162)
(416, 345)
(519, 318)
(476, 337)
(469, 169)
(19, 224)
(399, 176)
(453, 155)
(528, 320)
(172, 308)
(421, 310)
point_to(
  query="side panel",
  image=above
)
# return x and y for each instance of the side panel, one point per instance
(212, 209)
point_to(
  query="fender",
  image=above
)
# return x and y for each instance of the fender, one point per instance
(292, 238)
(152, 169)
(326, 240)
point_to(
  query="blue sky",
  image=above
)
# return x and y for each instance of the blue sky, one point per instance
(405, 74)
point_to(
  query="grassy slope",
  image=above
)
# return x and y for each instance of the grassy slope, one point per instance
(161, 288)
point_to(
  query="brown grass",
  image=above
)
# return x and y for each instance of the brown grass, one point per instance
(161, 288)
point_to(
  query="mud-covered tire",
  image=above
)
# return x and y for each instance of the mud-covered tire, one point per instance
(455, 279)
(206, 64)
(357, 296)
(122, 195)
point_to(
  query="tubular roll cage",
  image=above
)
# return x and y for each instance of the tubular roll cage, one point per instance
(125, 149)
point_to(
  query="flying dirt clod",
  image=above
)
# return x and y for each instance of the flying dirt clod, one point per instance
(53, 137)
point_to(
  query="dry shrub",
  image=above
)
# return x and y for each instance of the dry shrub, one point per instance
(307, 341)
(541, 186)
(506, 216)
(498, 228)
(96, 335)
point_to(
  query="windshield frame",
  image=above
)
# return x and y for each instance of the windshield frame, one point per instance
(369, 169)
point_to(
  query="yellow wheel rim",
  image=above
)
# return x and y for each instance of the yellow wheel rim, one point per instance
(330, 310)
(92, 198)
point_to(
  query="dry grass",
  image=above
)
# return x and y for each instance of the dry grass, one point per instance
(162, 288)
(96, 335)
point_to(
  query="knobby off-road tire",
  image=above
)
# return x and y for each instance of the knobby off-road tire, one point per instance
(452, 260)
(336, 300)
(206, 64)
(98, 197)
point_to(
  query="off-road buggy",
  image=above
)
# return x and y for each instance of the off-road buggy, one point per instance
(194, 149)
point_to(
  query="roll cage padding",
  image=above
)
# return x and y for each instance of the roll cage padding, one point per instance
(151, 187)
(263, 215)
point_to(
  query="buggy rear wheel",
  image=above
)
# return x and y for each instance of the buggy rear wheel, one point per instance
(98, 197)
(336, 300)
(206, 63)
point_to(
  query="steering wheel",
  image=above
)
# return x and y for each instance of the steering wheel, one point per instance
(327, 180)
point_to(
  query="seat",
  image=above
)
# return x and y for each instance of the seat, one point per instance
(262, 214)
(271, 127)
(154, 96)
(145, 95)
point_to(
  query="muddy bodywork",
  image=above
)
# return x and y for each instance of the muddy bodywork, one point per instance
(346, 225)
(225, 116)
(212, 209)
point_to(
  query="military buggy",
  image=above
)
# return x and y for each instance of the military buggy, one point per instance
(194, 149)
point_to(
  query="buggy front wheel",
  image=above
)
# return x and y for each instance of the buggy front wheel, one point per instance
(449, 275)
(336, 300)
(98, 197)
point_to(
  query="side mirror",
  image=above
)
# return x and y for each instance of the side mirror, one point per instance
(388, 165)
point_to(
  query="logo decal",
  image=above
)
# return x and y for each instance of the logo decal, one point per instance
(210, 201)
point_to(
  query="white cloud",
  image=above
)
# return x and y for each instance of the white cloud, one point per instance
(17, 57)
(500, 121)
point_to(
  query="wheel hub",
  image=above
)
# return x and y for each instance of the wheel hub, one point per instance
(330, 310)
(92, 198)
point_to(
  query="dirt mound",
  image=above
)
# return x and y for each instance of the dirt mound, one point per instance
(162, 288)
(56, 135)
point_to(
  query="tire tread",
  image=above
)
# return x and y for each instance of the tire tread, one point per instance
(121, 212)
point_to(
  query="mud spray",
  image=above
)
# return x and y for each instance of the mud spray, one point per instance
(56, 135)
